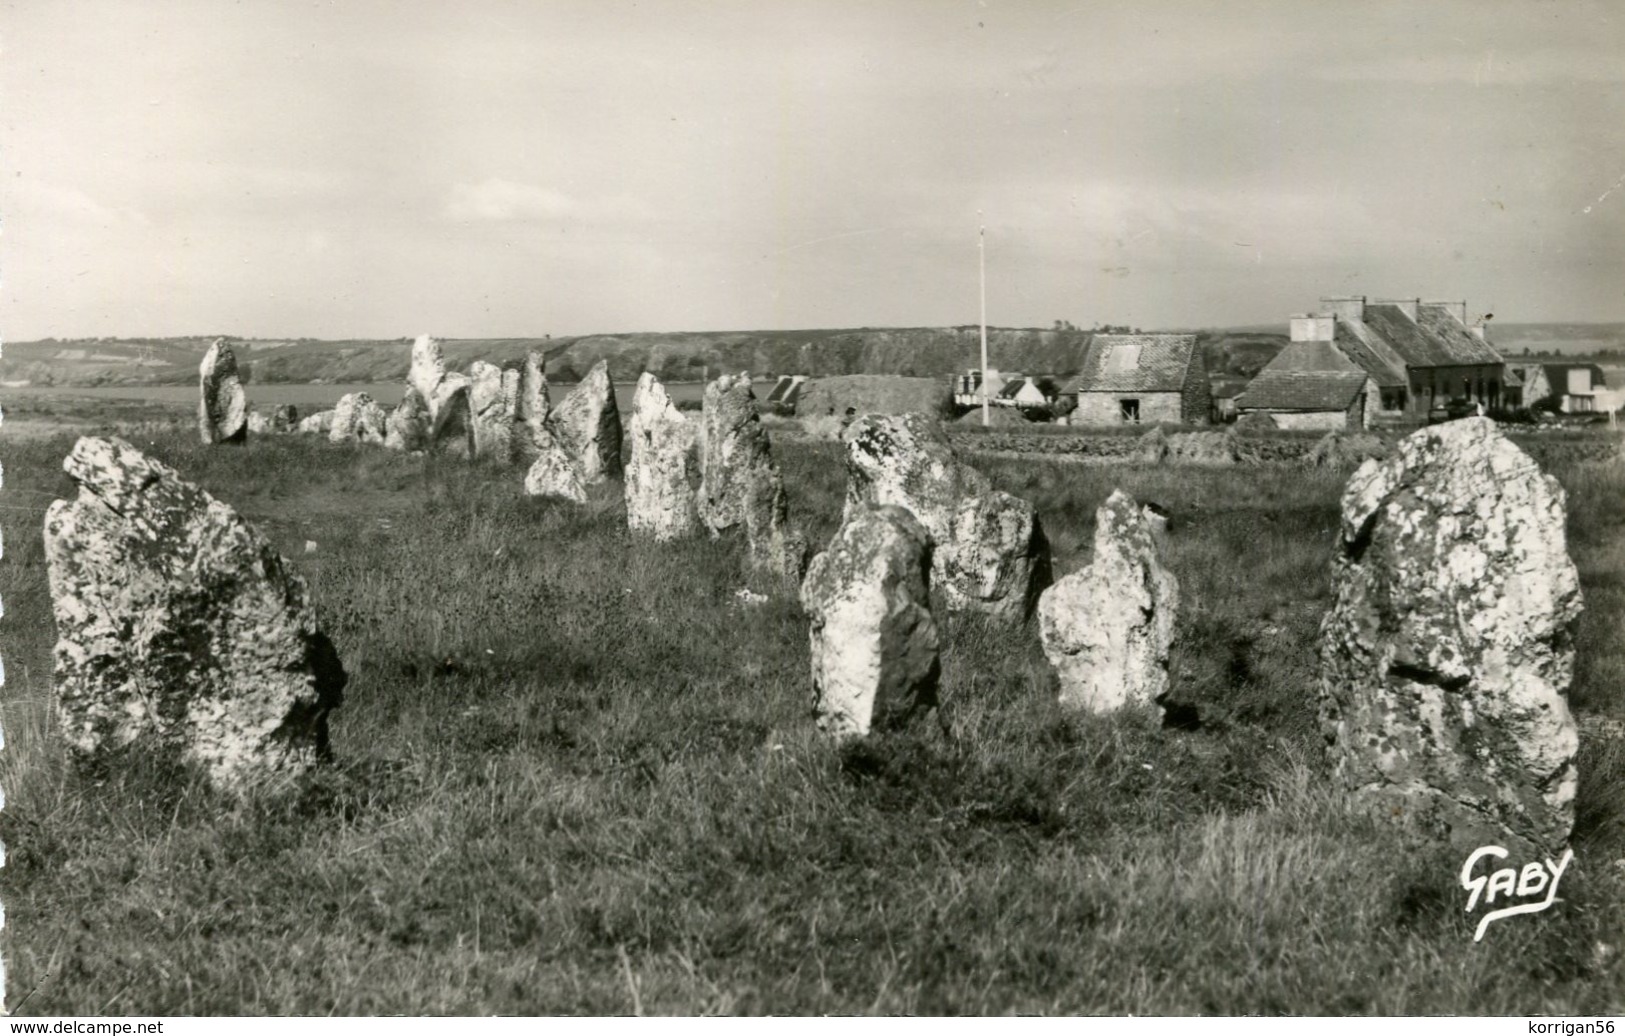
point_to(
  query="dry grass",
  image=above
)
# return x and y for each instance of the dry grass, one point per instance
(578, 776)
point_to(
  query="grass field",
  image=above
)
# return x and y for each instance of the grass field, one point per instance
(577, 775)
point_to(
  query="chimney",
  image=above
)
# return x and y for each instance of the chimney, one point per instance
(1345, 307)
(1455, 309)
(1313, 327)
(1405, 306)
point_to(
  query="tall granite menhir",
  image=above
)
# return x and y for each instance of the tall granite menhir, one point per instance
(1108, 628)
(181, 630)
(991, 554)
(1449, 645)
(740, 484)
(587, 426)
(872, 638)
(660, 499)
(222, 412)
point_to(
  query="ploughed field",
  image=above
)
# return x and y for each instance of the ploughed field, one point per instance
(577, 774)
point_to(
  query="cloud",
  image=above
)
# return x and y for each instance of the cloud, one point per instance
(496, 200)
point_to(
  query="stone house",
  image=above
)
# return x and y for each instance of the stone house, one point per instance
(1419, 355)
(1141, 379)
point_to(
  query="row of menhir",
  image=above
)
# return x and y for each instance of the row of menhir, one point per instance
(1460, 718)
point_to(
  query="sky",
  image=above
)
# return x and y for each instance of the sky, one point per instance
(362, 168)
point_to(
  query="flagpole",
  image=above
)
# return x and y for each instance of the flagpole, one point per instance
(981, 269)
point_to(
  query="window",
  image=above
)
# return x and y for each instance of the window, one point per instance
(1130, 410)
(1122, 357)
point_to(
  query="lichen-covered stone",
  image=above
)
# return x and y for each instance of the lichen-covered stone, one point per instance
(258, 423)
(587, 425)
(1202, 449)
(285, 418)
(492, 397)
(1000, 560)
(222, 413)
(740, 483)
(428, 368)
(1345, 449)
(438, 387)
(873, 640)
(180, 628)
(317, 424)
(555, 472)
(1449, 645)
(357, 419)
(660, 499)
(1108, 627)
(451, 429)
(1151, 448)
(407, 427)
(531, 408)
(990, 553)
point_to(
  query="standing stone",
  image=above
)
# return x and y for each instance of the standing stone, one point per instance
(588, 426)
(1346, 450)
(991, 553)
(1450, 642)
(1107, 628)
(285, 418)
(222, 413)
(873, 639)
(180, 628)
(1151, 448)
(357, 418)
(317, 424)
(660, 500)
(531, 408)
(407, 428)
(451, 429)
(740, 484)
(1000, 560)
(428, 367)
(258, 423)
(428, 375)
(491, 398)
(1203, 449)
(555, 472)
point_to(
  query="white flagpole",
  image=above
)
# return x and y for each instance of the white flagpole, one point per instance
(981, 266)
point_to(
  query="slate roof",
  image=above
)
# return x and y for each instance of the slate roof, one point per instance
(1434, 339)
(1160, 366)
(1453, 337)
(1302, 390)
(1375, 356)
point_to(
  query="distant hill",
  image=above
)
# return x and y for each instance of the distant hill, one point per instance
(1233, 355)
(678, 356)
(1597, 341)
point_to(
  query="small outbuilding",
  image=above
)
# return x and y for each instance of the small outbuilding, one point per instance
(1141, 379)
(1308, 399)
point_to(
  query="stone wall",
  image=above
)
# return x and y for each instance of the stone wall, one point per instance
(1105, 408)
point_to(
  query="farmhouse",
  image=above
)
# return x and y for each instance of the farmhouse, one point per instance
(1419, 355)
(1141, 379)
